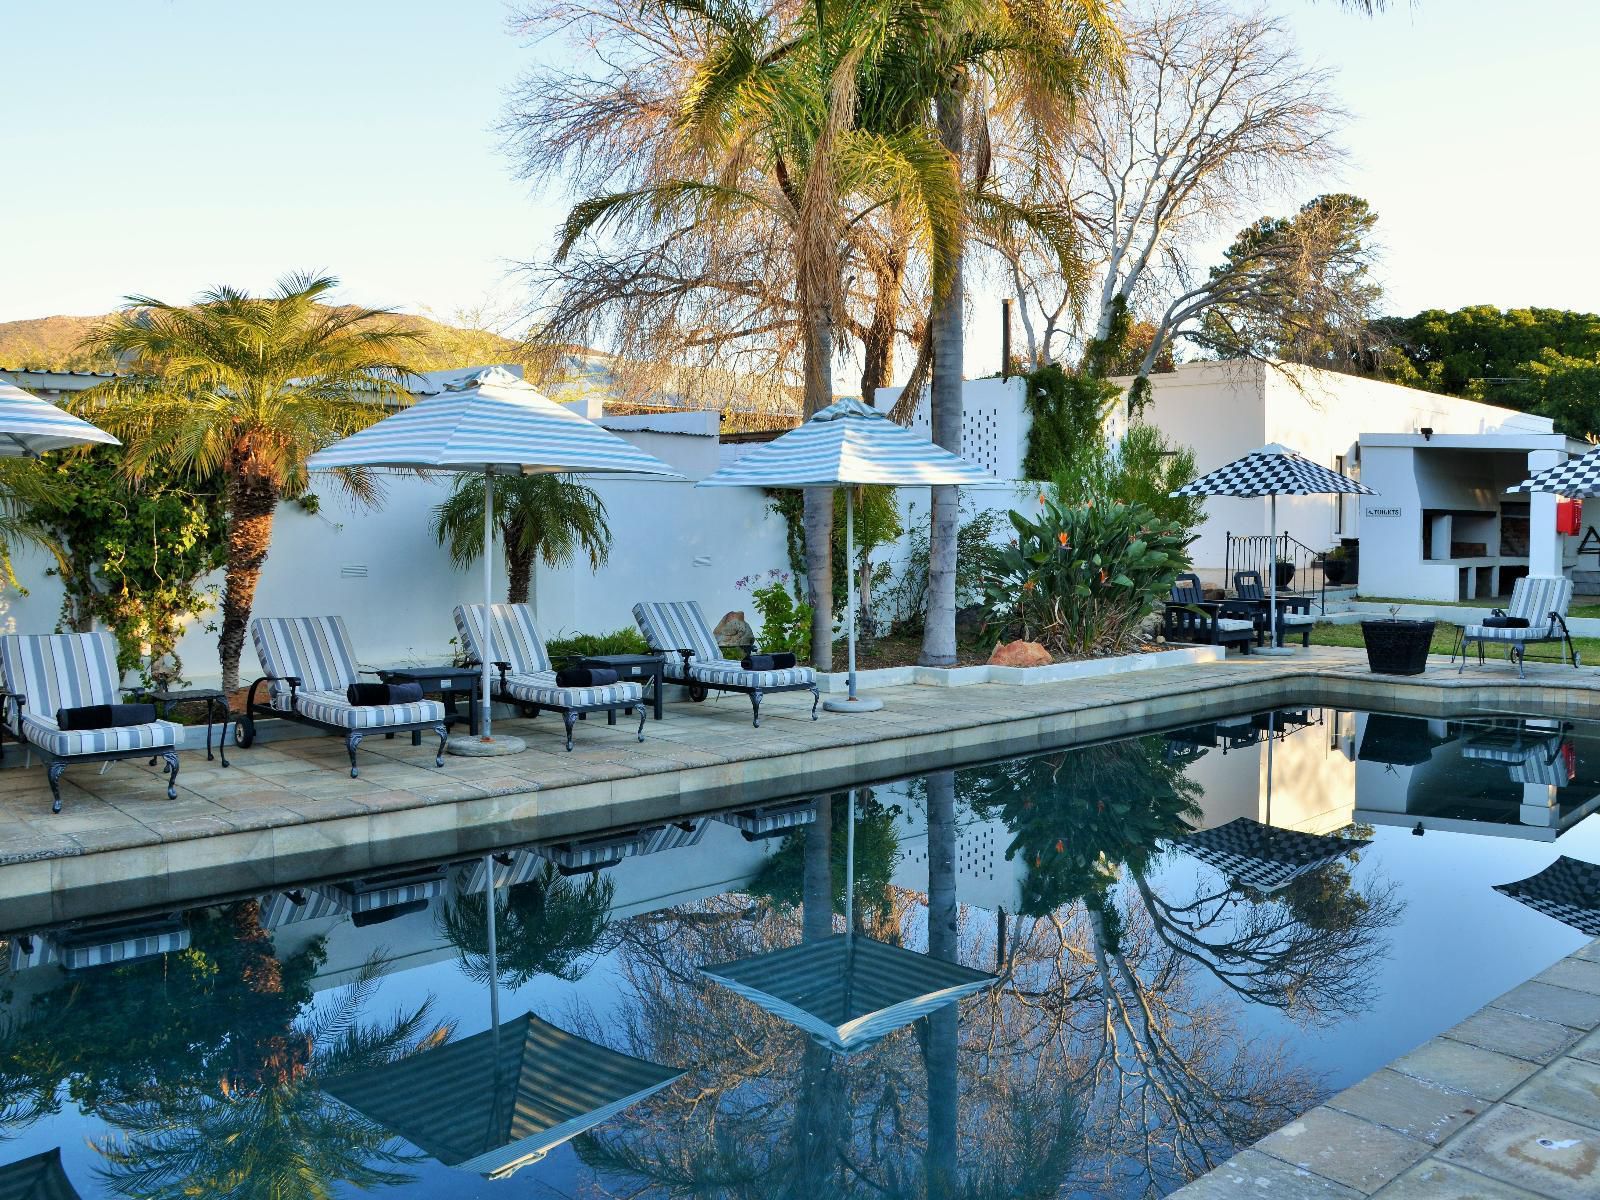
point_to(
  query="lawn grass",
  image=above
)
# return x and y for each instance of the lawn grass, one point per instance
(1576, 610)
(1444, 640)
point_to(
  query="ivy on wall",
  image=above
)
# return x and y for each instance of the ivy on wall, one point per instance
(1067, 412)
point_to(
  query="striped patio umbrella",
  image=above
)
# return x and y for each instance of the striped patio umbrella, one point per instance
(501, 1099)
(1568, 890)
(41, 1177)
(494, 423)
(1575, 477)
(1273, 471)
(847, 990)
(30, 426)
(847, 445)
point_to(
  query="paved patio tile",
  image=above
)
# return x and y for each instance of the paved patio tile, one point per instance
(1343, 1148)
(1259, 1176)
(1513, 1034)
(1465, 1068)
(1574, 973)
(1544, 1154)
(1577, 1010)
(1445, 1181)
(1417, 1108)
(1568, 1088)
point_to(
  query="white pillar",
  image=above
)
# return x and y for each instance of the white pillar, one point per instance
(1545, 546)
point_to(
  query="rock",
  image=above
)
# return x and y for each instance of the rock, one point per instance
(1020, 654)
(970, 618)
(734, 630)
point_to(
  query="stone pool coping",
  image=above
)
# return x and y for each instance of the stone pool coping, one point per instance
(1504, 1105)
(287, 810)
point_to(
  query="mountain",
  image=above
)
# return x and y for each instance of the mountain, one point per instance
(51, 344)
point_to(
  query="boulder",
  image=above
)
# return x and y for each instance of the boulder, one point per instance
(734, 630)
(1020, 654)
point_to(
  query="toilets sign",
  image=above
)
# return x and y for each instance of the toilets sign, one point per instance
(1379, 511)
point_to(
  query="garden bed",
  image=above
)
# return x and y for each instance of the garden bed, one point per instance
(1081, 668)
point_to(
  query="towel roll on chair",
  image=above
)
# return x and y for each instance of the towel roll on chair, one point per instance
(365, 694)
(767, 662)
(586, 677)
(105, 716)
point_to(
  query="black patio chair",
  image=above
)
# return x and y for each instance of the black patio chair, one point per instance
(1190, 617)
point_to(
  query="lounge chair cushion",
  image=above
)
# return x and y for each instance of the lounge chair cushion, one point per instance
(315, 650)
(61, 670)
(516, 637)
(43, 732)
(1534, 598)
(674, 625)
(1295, 618)
(1234, 624)
(540, 687)
(334, 708)
(728, 673)
(1510, 633)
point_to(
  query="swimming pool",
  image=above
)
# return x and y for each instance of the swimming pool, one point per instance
(1089, 972)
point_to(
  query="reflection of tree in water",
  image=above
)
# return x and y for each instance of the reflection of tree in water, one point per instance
(209, 1061)
(1105, 975)
(767, 1113)
(549, 925)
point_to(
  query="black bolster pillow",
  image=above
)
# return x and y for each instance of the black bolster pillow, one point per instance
(758, 662)
(782, 662)
(582, 677)
(105, 716)
(365, 695)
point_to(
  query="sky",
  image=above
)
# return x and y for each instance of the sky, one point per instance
(161, 147)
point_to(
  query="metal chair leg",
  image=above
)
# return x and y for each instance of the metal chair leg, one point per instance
(351, 743)
(570, 720)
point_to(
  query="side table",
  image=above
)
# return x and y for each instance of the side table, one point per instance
(216, 703)
(647, 669)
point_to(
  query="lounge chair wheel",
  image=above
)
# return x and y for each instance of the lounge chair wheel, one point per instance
(698, 692)
(244, 733)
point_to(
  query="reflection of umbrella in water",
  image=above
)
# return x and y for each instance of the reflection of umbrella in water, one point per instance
(1261, 856)
(38, 1178)
(846, 990)
(503, 1098)
(1568, 890)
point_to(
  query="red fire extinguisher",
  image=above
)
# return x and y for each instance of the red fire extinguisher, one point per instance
(1569, 516)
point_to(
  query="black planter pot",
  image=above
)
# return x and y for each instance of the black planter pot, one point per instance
(1397, 647)
(1333, 570)
(1285, 572)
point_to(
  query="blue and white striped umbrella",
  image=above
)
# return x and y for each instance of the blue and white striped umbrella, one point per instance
(30, 426)
(495, 423)
(848, 444)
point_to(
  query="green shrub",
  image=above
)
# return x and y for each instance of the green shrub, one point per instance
(627, 640)
(785, 621)
(1080, 579)
(900, 598)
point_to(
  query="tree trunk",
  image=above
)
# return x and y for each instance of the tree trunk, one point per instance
(819, 501)
(939, 632)
(939, 1038)
(519, 566)
(252, 502)
(877, 347)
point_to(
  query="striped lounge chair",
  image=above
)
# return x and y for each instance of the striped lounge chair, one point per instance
(309, 667)
(528, 677)
(1542, 601)
(677, 631)
(45, 673)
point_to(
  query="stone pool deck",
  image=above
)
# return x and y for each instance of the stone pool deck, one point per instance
(287, 809)
(1504, 1106)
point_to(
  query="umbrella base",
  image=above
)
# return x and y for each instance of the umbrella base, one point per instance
(468, 746)
(843, 704)
(1276, 651)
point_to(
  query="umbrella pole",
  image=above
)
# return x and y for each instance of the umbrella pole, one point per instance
(485, 715)
(852, 702)
(494, 951)
(1272, 646)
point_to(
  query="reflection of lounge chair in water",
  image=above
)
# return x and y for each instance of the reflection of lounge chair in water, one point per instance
(501, 1099)
(1532, 753)
(1238, 731)
(374, 899)
(1568, 890)
(1263, 857)
(771, 820)
(101, 944)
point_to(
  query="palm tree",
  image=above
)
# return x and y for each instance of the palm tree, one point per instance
(548, 517)
(270, 1131)
(246, 388)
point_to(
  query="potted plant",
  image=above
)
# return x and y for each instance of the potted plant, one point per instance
(1396, 647)
(1335, 564)
(1285, 572)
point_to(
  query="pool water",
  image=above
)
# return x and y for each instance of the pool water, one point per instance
(1089, 972)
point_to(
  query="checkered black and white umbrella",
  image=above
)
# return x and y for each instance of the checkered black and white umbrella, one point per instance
(1273, 471)
(1575, 477)
(1568, 890)
(1261, 856)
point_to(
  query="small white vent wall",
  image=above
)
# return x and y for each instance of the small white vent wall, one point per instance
(994, 423)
